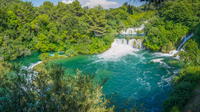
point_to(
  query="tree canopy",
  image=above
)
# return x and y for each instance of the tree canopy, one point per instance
(63, 27)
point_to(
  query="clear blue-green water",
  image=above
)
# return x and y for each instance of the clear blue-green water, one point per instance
(28, 60)
(133, 81)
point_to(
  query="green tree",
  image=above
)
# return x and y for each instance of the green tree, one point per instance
(97, 21)
(50, 90)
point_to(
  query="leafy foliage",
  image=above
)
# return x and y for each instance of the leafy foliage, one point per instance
(175, 19)
(164, 33)
(50, 90)
(63, 27)
(184, 84)
(164, 36)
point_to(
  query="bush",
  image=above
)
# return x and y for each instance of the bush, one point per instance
(44, 56)
(184, 84)
(50, 90)
(164, 35)
(180, 96)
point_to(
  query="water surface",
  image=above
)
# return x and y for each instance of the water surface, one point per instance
(133, 81)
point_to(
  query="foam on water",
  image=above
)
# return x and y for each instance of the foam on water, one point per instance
(132, 81)
(159, 60)
(170, 54)
(138, 78)
(120, 48)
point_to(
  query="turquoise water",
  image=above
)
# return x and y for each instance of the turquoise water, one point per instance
(28, 60)
(133, 81)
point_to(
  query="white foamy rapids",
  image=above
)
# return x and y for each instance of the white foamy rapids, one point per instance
(171, 53)
(159, 60)
(31, 74)
(120, 48)
(34, 64)
(132, 30)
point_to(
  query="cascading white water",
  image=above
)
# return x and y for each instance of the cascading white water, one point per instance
(132, 30)
(184, 40)
(121, 47)
(174, 52)
(31, 73)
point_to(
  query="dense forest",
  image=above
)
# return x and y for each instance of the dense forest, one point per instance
(64, 27)
(73, 30)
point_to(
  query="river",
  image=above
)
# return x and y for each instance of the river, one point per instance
(135, 78)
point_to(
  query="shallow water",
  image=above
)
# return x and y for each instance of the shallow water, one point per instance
(28, 60)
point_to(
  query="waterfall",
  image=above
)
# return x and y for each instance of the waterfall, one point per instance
(122, 47)
(132, 31)
(132, 43)
(184, 40)
(174, 52)
(31, 74)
